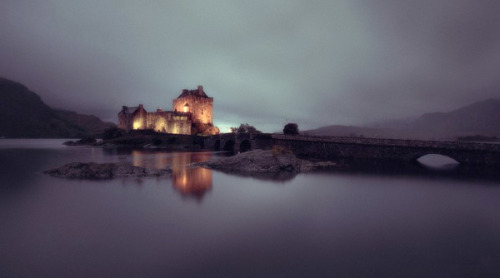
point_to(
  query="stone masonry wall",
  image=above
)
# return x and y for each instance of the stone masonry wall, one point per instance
(169, 122)
(200, 107)
(125, 121)
(387, 149)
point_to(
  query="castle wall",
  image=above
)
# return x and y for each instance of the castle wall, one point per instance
(169, 122)
(166, 122)
(200, 107)
(125, 121)
(199, 114)
(140, 118)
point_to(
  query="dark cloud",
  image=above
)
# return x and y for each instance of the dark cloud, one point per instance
(264, 62)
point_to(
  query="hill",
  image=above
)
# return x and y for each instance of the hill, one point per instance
(347, 131)
(23, 114)
(479, 118)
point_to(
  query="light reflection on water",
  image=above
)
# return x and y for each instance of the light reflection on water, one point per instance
(189, 181)
(342, 224)
(436, 161)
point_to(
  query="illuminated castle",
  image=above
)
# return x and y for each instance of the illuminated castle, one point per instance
(192, 115)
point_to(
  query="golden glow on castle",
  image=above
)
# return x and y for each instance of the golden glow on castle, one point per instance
(192, 114)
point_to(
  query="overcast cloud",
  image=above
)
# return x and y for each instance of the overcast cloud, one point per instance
(264, 62)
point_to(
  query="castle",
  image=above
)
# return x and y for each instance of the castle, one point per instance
(192, 115)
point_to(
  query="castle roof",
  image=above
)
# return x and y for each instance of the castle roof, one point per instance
(197, 92)
(129, 110)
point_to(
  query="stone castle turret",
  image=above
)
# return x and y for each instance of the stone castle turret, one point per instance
(197, 103)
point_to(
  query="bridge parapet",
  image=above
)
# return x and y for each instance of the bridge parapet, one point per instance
(359, 148)
(387, 149)
(393, 142)
(231, 142)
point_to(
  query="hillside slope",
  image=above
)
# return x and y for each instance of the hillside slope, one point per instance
(23, 114)
(479, 118)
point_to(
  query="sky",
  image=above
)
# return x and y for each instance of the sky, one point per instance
(265, 63)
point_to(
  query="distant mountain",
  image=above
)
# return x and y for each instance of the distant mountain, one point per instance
(480, 118)
(401, 123)
(347, 131)
(23, 114)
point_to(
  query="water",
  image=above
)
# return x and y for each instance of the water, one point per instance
(202, 223)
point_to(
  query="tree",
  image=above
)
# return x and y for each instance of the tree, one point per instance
(245, 128)
(113, 132)
(291, 129)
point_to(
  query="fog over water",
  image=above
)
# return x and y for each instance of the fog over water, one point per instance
(265, 62)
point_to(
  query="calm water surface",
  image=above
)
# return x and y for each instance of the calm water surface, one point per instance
(202, 223)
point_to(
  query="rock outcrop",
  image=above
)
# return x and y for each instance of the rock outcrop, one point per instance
(97, 171)
(265, 161)
(91, 141)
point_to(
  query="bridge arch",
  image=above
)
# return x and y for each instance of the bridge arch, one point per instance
(434, 155)
(245, 146)
(362, 148)
(217, 145)
(229, 146)
(438, 161)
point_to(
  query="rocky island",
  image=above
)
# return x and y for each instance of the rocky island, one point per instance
(100, 171)
(266, 161)
(256, 162)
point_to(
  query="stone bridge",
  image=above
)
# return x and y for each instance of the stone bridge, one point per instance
(236, 143)
(329, 148)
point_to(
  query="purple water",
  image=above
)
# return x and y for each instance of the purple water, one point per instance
(202, 223)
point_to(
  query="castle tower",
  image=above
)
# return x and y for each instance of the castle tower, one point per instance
(197, 103)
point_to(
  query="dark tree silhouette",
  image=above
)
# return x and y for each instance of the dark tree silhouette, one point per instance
(245, 128)
(291, 129)
(113, 132)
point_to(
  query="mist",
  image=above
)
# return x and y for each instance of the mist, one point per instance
(265, 63)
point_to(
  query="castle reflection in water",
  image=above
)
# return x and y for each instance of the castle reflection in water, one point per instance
(189, 181)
